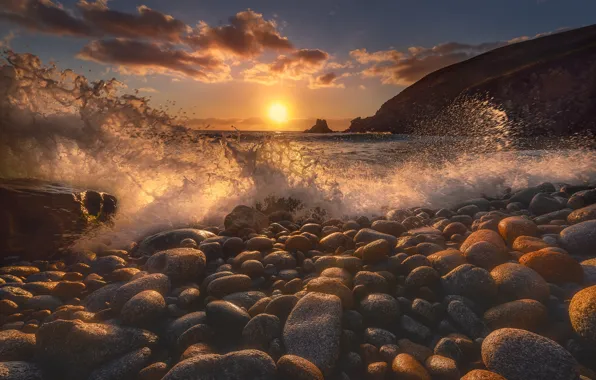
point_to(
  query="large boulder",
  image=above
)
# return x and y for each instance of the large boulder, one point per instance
(171, 239)
(313, 330)
(72, 349)
(582, 313)
(580, 239)
(39, 218)
(521, 355)
(245, 217)
(245, 364)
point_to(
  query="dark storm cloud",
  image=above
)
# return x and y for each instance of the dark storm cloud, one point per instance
(147, 23)
(43, 16)
(95, 20)
(147, 58)
(247, 35)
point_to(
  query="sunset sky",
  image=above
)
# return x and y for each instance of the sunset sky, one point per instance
(229, 62)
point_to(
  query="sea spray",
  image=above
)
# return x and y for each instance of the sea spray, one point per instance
(57, 125)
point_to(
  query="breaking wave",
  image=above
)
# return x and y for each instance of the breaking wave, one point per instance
(57, 125)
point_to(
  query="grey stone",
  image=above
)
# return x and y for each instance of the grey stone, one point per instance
(245, 364)
(20, 370)
(72, 349)
(522, 355)
(261, 330)
(466, 319)
(226, 317)
(146, 306)
(183, 323)
(123, 368)
(97, 300)
(515, 281)
(171, 239)
(367, 235)
(414, 329)
(472, 282)
(543, 204)
(313, 330)
(379, 309)
(16, 346)
(43, 302)
(158, 282)
(580, 239)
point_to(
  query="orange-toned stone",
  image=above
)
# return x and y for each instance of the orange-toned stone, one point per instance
(554, 266)
(515, 226)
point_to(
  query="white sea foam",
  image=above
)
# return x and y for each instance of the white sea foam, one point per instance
(57, 125)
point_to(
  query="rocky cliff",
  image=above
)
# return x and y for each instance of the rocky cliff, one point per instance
(545, 86)
(319, 127)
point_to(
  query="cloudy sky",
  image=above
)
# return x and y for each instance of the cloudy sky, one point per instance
(226, 61)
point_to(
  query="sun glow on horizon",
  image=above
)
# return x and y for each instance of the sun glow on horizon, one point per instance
(278, 112)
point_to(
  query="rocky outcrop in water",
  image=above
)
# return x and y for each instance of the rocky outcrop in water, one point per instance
(546, 86)
(319, 127)
(488, 289)
(38, 217)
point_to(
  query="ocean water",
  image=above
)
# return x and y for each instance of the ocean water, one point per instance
(56, 125)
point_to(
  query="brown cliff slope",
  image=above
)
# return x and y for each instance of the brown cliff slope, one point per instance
(546, 86)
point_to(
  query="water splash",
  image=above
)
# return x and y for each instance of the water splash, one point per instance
(57, 125)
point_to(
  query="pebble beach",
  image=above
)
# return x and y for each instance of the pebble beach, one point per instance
(491, 288)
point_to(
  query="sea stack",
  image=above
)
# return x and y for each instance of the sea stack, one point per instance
(319, 127)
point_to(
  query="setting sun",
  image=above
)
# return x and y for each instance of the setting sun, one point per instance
(278, 113)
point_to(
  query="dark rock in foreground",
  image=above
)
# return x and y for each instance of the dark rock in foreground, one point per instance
(38, 218)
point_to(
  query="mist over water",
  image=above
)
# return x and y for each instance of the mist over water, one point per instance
(57, 125)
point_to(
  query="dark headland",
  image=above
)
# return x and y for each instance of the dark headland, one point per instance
(545, 85)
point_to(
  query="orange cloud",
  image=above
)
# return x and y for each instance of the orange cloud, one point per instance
(247, 35)
(299, 65)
